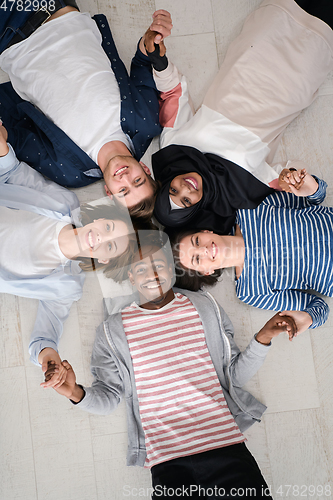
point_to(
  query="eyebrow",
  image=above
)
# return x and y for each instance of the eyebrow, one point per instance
(136, 186)
(113, 242)
(154, 261)
(193, 254)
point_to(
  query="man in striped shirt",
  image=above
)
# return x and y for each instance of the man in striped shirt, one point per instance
(172, 355)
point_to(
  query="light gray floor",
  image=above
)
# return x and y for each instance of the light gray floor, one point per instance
(49, 450)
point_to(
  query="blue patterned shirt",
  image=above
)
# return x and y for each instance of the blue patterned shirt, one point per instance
(288, 250)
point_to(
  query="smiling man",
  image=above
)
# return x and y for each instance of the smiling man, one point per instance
(171, 354)
(96, 119)
(129, 182)
(152, 274)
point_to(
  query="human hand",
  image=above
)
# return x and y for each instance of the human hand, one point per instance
(307, 188)
(279, 323)
(149, 44)
(47, 356)
(67, 387)
(162, 24)
(302, 320)
(291, 178)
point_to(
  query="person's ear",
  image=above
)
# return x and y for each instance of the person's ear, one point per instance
(130, 275)
(108, 192)
(103, 261)
(171, 270)
(206, 231)
(145, 168)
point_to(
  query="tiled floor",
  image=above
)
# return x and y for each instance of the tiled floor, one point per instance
(50, 450)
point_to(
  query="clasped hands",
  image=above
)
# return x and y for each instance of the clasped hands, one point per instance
(60, 374)
(298, 182)
(159, 29)
(291, 322)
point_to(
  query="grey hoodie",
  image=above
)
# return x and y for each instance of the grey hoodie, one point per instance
(113, 372)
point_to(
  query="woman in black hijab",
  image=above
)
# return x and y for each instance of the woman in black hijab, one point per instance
(218, 160)
(221, 185)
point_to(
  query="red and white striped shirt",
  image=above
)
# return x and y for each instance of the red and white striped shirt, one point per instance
(181, 402)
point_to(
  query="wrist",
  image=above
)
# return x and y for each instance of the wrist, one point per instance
(315, 187)
(263, 338)
(77, 394)
(47, 354)
(142, 47)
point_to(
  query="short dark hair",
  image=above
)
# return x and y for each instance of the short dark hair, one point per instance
(157, 239)
(186, 278)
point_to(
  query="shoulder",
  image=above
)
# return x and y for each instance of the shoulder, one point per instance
(206, 305)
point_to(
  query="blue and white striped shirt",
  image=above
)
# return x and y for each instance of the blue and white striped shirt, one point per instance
(288, 249)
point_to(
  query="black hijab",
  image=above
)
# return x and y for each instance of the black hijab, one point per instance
(226, 187)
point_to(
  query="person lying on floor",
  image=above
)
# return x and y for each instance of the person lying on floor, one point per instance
(45, 247)
(171, 354)
(281, 251)
(93, 119)
(220, 159)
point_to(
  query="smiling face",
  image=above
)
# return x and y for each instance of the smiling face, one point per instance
(102, 239)
(127, 180)
(152, 276)
(186, 189)
(203, 252)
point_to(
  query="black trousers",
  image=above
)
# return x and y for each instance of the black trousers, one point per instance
(318, 8)
(229, 472)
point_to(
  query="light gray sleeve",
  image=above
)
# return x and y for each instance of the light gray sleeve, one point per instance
(12, 171)
(49, 324)
(108, 386)
(8, 164)
(243, 365)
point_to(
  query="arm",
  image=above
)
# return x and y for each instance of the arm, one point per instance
(292, 300)
(244, 365)
(141, 71)
(298, 201)
(14, 172)
(52, 313)
(48, 328)
(107, 388)
(175, 105)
